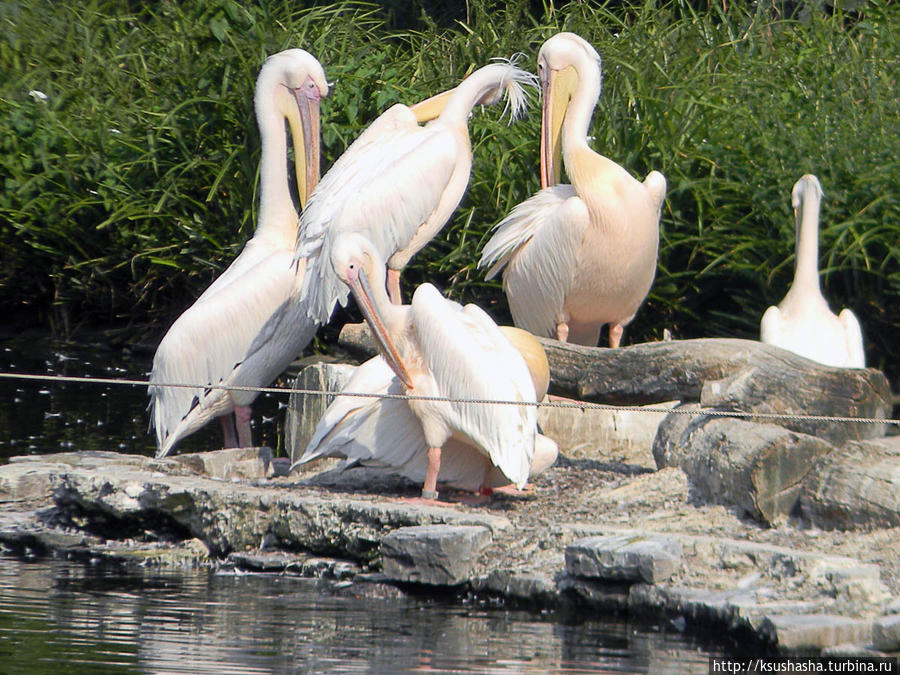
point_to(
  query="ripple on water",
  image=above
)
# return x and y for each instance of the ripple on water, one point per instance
(62, 616)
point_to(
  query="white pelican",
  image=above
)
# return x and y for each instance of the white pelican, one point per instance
(803, 322)
(208, 343)
(384, 432)
(438, 348)
(582, 255)
(398, 183)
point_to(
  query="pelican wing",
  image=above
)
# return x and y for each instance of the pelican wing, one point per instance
(770, 327)
(370, 430)
(856, 353)
(538, 242)
(383, 432)
(469, 358)
(207, 342)
(368, 191)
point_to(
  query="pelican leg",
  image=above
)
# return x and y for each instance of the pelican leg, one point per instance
(429, 488)
(227, 422)
(393, 286)
(562, 331)
(615, 334)
(242, 421)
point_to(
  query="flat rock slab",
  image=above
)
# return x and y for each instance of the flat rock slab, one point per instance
(437, 555)
(648, 558)
(229, 464)
(814, 632)
(886, 633)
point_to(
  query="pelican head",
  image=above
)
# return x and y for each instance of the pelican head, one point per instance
(802, 186)
(303, 85)
(355, 260)
(567, 65)
(806, 190)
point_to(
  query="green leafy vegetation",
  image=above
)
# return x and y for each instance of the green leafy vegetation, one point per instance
(130, 186)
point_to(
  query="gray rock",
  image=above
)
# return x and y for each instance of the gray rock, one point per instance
(886, 633)
(306, 409)
(814, 632)
(857, 486)
(757, 467)
(24, 482)
(650, 558)
(530, 588)
(608, 435)
(228, 464)
(438, 555)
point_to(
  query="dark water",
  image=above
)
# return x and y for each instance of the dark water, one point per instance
(59, 616)
(41, 417)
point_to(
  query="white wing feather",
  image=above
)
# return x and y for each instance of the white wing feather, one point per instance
(453, 347)
(368, 192)
(210, 342)
(384, 432)
(856, 353)
(538, 242)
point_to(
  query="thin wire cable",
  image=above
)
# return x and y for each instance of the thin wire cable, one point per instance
(580, 405)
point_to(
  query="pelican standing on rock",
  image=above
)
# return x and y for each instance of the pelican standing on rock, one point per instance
(383, 432)
(448, 353)
(582, 255)
(208, 344)
(398, 183)
(803, 323)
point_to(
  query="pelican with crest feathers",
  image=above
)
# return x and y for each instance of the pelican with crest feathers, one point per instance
(398, 183)
(382, 431)
(583, 255)
(210, 342)
(447, 354)
(803, 323)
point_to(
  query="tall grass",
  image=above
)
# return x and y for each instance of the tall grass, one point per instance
(130, 187)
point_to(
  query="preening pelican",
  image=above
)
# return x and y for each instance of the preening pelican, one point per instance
(208, 344)
(582, 255)
(803, 323)
(384, 432)
(398, 183)
(438, 348)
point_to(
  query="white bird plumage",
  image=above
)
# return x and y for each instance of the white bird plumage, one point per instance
(398, 183)
(384, 433)
(439, 349)
(583, 255)
(211, 342)
(803, 322)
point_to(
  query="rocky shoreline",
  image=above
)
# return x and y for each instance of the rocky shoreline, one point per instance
(598, 536)
(673, 528)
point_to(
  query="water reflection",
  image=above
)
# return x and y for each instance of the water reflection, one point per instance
(56, 614)
(42, 417)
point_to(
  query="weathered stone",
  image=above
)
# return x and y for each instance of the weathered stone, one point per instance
(529, 588)
(603, 595)
(438, 555)
(886, 633)
(306, 409)
(757, 467)
(232, 516)
(857, 486)
(624, 436)
(849, 650)
(650, 558)
(24, 482)
(808, 632)
(852, 586)
(228, 464)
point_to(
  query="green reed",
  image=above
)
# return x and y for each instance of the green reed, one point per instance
(129, 188)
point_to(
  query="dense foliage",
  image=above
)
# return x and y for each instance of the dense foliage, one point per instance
(129, 186)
